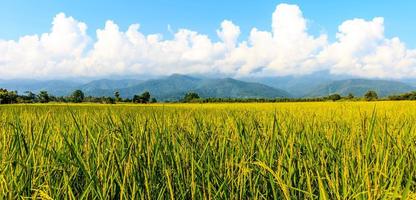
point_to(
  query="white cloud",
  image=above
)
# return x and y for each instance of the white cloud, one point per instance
(288, 49)
(361, 49)
(50, 54)
(229, 33)
(132, 52)
(67, 38)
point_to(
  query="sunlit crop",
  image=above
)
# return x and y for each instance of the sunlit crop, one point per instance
(327, 150)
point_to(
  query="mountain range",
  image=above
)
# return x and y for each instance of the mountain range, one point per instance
(174, 87)
(358, 87)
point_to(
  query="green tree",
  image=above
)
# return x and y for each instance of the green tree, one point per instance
(143, 98)
(371, 95)
(7, 97)
(43, 97)
(3, 95)
(30, 96)
(146, 97)
(108, 100)
(190, 96)
(77, 96)
(350, 96)
(117, 96)
(334, 97)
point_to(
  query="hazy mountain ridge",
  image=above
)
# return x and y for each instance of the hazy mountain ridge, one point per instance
(108, 84)
(172, 88)
(229, 87)
(55, 87)
(358, 87)
(299, 86)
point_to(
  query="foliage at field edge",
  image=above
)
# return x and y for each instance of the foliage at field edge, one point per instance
(347, 150)
(77, 96)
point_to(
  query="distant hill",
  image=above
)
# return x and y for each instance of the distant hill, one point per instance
(55, 87)
(358, 87)
(299, 86)
(411, 82)
(107, 84)
(229, 87)
(64, 87)
(166, 89)
(175, 86)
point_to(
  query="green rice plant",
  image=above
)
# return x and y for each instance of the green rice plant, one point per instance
(322, 150)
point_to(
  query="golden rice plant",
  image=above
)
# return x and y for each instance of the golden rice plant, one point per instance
(325, 150)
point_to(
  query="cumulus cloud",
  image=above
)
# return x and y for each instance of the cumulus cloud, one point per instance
(287, 49)
(229, 33)
(50, 54)
(363, 50)
(360, 49)
(132, 52)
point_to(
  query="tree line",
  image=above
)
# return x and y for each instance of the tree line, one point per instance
(78, 96)
(194, 97)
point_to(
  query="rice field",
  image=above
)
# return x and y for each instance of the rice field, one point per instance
(322, 150)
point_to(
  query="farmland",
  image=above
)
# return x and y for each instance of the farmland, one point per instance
(321, 150)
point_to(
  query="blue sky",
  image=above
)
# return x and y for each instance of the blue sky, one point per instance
(49, 39)
(23, 17)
